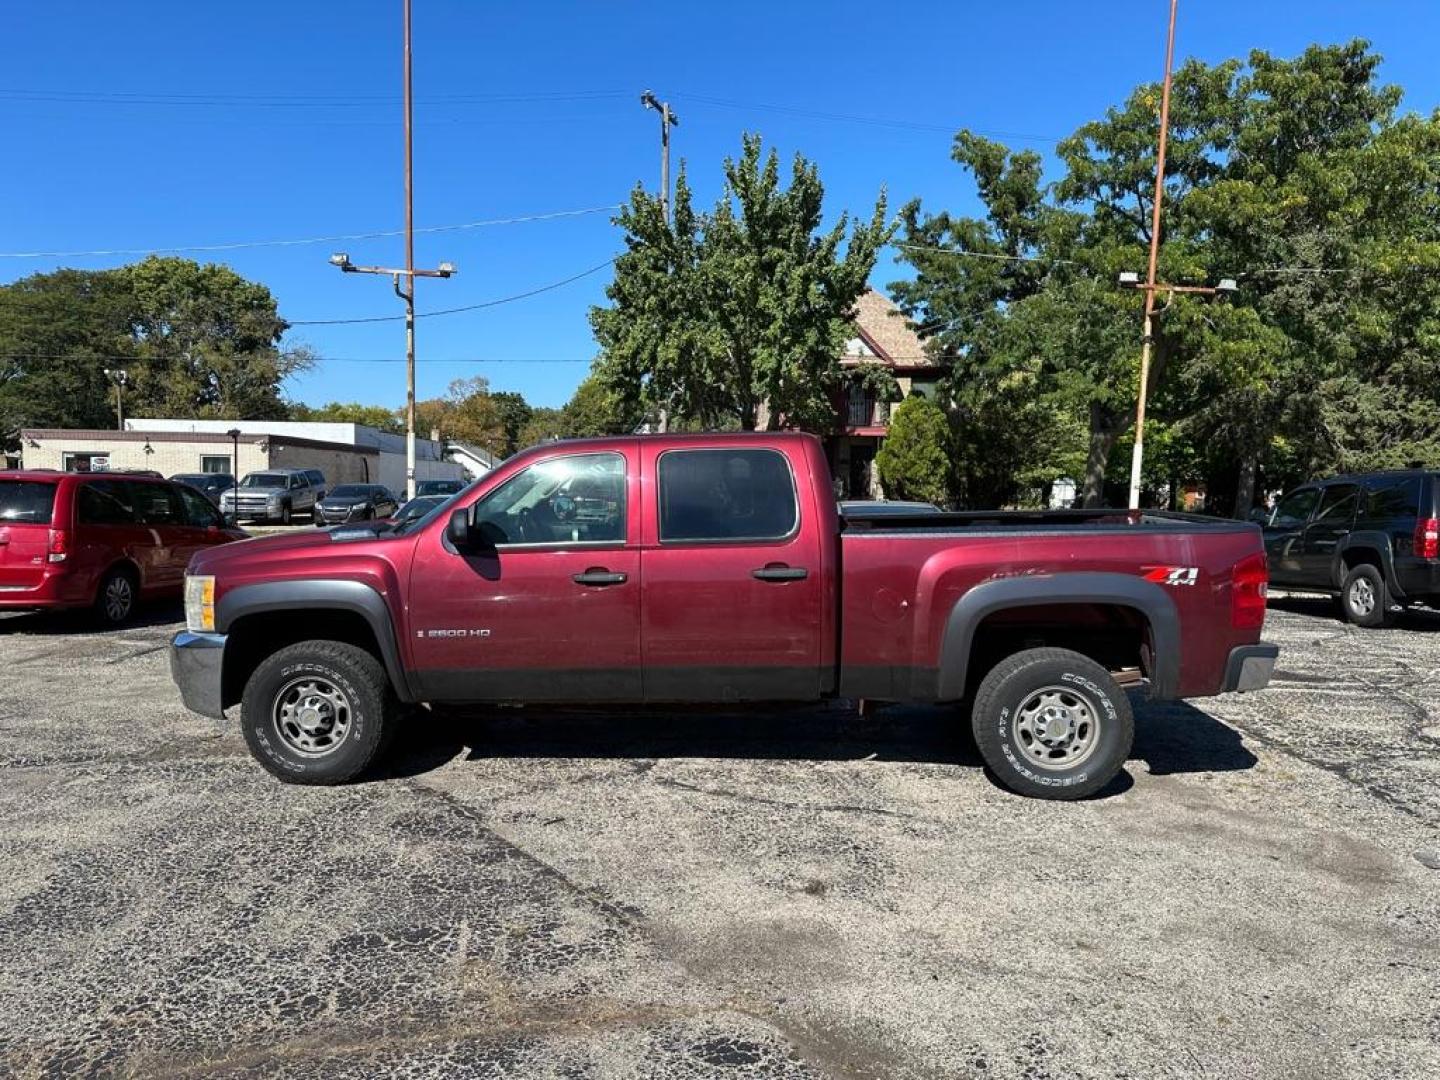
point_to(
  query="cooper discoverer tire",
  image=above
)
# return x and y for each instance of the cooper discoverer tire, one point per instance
(1364, 598)
(317, 712)
(1052, 724)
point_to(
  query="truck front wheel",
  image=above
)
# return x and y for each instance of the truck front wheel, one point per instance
(1052, 724)
(317, 712)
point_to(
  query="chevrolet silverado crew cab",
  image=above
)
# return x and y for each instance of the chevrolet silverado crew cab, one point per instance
(716, 568)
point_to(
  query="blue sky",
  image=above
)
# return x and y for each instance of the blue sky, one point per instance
(170, 123)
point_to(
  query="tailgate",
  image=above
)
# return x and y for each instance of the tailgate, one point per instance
(25, 510)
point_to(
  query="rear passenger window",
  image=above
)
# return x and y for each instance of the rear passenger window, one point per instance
(106, 502)
(1394, 499)
(1337, 505)
(740, 494)
(157, 504)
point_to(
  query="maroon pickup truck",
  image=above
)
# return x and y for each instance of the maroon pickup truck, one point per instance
(716, 568)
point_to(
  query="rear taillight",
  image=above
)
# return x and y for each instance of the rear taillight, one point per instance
(58, 546)
(1427, 538)
(1249, 584)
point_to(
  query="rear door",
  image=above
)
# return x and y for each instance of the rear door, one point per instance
(107, 528)
(732, 606)
(1285, 534)
(26, 509)
(1332, 521)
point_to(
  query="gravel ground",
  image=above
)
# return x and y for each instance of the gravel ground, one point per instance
(806, 893)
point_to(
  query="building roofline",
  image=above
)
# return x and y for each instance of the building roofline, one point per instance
(216, 437)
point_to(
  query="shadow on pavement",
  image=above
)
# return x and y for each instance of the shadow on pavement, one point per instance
(1170, 737)
(148, 614)
(1422, 619)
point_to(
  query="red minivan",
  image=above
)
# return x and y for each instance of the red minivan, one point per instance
(99, 540)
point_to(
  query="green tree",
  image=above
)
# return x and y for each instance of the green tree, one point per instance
(58, 333)
(467, 412)
(914, 460)
(207, 342)
(738, 315)
(1274, 164)
(351, 412)
(515, 413)
(594, 409)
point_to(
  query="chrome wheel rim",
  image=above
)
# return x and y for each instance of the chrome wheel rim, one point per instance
(119, 596)
(1056, 727)
(312, 716)
(1362, 596)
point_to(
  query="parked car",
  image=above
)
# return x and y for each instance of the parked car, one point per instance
(439, 487)
(417, 507)
(99, 540)
(714, 568)
(355, 502)
(858, 508)
(211, 485)
(271, 495)
(1370, 539)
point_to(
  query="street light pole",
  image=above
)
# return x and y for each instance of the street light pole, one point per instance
(408, 273)
(409, 294)
(119, 377)
(1137, 457)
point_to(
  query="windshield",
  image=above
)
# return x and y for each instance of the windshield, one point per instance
(265, 480)
(418, 507)
(28, 501)
(350, 491)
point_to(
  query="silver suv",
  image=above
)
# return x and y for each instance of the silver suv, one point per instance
(271, 495)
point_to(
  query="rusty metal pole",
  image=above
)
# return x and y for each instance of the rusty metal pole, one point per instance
(409, 293)
(1138, 457)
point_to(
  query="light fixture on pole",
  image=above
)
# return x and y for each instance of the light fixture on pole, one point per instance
(119, 377)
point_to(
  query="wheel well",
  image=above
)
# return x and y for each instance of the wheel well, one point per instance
(1115, 636)
(251, 638)
(1353, 557)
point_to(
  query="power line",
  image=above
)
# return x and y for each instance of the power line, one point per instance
(334, 239)
(457, 310)
(134, 358)
(319, 101)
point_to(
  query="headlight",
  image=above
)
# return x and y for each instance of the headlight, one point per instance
(200, 603)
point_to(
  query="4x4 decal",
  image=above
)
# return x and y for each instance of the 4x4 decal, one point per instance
(1172, 575)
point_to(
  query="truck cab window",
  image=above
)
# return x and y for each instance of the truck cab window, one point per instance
(739, 494)
(576, 499)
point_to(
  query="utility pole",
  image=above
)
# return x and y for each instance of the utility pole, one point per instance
(409, 273)
(1138, 456)
(667, 118)
(119, 377)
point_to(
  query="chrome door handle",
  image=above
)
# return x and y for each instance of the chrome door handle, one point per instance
(780, 572)
(598, 575)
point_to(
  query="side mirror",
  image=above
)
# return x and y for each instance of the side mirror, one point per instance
(457, 529)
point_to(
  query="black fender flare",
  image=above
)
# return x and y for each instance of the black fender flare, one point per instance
(1367, 538)
(1081, 587)
(330, 595)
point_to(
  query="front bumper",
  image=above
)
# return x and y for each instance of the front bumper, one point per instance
(1250, 667)
(196, 665)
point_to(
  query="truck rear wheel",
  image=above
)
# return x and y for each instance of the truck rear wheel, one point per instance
(317, 712)
(1052, 724)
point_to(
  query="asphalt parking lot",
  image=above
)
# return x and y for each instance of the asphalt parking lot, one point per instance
(807, 893)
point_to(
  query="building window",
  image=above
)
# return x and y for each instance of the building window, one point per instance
(214, 463)
(86, 461)
(861, 407)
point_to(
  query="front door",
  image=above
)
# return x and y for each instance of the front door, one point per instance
(1285, 534)
(732, 579)
(551, 612)
(1331, 523)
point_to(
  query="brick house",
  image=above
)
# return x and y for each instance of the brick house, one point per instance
(882, 336)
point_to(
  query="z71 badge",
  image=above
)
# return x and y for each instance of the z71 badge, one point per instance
(1172, 575)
